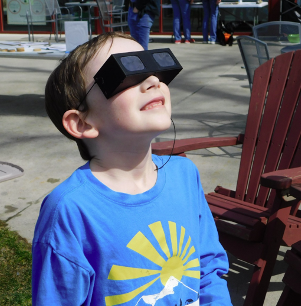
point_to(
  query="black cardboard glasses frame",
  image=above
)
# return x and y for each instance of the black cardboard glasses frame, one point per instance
(124, 70)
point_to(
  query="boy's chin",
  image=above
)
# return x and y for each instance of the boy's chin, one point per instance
(162, 127)
(163, 124)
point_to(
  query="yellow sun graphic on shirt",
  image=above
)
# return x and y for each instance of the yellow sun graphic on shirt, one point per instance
(176, 265)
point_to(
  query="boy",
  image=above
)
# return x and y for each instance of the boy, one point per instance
(121, 229)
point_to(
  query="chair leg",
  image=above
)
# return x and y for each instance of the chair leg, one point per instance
(259, 283)
(263, 270)
(32, 36)
(31, 28)
(28, 26)
(56, 30)
(289, 298)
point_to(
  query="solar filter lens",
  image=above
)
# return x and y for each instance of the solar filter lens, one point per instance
(132, 63)
(164, 59)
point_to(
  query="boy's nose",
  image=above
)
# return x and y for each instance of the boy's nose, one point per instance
(150, 82)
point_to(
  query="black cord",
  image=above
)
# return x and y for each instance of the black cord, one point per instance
(174, 141)
(83, 100)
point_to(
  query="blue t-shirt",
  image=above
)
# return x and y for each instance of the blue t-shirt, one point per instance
(95, 246)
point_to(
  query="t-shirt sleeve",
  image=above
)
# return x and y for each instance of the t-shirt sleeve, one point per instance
(58, 281)
(213, 259)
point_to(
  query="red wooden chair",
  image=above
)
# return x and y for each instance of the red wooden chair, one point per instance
(253, 221)
(291, 295)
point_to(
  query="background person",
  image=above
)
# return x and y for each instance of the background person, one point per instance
(210, 8)
(141, 18)
(181, 11)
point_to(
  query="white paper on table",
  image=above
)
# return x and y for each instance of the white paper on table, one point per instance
(33, 43)
(22, 43)
(76, 34)
(10, 43)
(57, 47)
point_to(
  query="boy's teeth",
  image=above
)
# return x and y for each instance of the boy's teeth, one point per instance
(149, 106)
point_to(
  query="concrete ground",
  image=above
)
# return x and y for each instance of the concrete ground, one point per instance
(209, 97)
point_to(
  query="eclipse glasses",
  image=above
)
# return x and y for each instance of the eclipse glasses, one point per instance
(124, 70)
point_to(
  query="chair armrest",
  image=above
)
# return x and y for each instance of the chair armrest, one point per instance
(295, 191)
(184, 145)
(281, 179)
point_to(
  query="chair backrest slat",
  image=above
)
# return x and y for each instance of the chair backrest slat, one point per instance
(273, 101)
(258, 95)
(293, 138)
(292, 142)
(273, 131)
(291, 151)
(286, 112)
(297, 157)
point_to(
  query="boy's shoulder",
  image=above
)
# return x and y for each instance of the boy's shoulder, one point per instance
(59, 204)
(70, 186)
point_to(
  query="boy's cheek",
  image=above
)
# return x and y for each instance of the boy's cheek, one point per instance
(167, 98)
(165, 89)
(168, 106)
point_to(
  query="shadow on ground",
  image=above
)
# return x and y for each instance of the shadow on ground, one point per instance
(23, 105)
(240, 274)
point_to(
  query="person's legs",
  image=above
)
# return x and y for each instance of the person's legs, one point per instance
(206, 9)
(133, 23)
(144, 25)
(140, 27)
(213, 15)
(176, 19)
(185, 12)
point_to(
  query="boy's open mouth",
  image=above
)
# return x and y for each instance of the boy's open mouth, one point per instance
(153, 104)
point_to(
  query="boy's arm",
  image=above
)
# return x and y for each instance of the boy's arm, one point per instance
(213, 260)
(58, 281)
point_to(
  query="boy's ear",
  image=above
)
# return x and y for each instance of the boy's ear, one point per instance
(76, 125)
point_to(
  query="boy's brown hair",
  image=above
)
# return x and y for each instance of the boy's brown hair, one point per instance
(66, 86)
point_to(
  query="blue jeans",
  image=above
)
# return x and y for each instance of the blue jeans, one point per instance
(181, 10)
(210, 11)
(140, 27)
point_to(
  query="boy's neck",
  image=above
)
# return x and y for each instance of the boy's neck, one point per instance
(128, 171)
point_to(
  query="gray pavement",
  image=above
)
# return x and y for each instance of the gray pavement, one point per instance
(209, 97)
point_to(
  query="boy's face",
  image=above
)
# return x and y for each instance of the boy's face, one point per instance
(144, 109)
